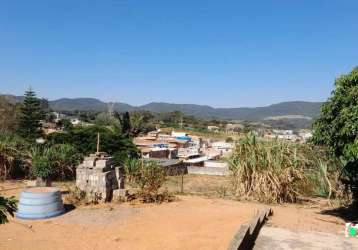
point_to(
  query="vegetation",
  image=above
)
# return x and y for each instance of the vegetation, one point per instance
(337, 127)
(14, 157)
(149, 177)
(8, 206)
(31, 114)
(55, 162)
(277, 171)
(84, 140)
(9, 115)
(41, 161)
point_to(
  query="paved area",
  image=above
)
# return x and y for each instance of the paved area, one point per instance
(271, 238)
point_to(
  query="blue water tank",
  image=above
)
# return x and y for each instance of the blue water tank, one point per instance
(40, 203)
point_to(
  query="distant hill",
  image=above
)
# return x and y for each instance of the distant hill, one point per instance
(295, 109)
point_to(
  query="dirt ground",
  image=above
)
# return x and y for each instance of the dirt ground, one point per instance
(192, 222)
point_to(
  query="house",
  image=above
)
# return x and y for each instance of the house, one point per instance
(49, 127)
(178, 134)
(172, 167)
(220, 168)
(196, 161)
(223, 147)
(282, 132)
(75, 121)
(214, 129)
(211, 153)
(234, 128)
(186, 153)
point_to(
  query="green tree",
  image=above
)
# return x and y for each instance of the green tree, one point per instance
(337, 127)
(84, 139)
(65, 124)
(125, 123)
(31, 114)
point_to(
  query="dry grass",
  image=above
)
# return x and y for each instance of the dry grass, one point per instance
(274, 171)
(203, 185)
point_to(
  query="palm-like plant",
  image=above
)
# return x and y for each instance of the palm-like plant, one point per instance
(65, 158)
(54, 161)
(41, 162)
(7, 207)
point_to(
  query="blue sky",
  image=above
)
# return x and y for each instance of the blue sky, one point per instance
(220, 53)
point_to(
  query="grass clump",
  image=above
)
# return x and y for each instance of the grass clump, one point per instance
(277, 171)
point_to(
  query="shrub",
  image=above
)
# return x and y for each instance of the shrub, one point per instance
(56, 161)
(64, 158)
(229, 140)
(149, 177)
(42, 165)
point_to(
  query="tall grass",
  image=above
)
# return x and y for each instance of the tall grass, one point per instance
(13, 156)
(276, 171)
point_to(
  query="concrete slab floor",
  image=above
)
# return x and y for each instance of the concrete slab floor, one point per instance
(272, 238)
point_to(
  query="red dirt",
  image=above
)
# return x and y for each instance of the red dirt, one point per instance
(190, 223)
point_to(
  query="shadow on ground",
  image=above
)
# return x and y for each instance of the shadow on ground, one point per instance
(348, 213)
(68, 207)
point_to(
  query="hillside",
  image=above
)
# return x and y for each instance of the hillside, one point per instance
(296, 109)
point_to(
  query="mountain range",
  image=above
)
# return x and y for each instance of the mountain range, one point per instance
(283, 110)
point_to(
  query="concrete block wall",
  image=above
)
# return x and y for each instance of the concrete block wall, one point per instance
(208, 170)
(96, 175)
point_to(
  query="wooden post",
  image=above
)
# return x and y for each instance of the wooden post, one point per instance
(98, 142)
(182, 182)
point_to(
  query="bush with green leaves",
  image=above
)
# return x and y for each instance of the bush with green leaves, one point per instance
(56, 162)
(149, 177)
(8, 206)
(65, 158)
(42, 165)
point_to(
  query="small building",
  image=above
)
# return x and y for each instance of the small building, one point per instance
(210, 167)
(224, 147)
(215, 129)
(186, 153)
(196, 161)
(49, 127)
(75, 121)
(211, 153)
(305, 135)
(172, 167)
(178, 134)
(282, 132)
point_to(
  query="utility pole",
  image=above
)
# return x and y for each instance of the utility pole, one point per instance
(181, 116)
